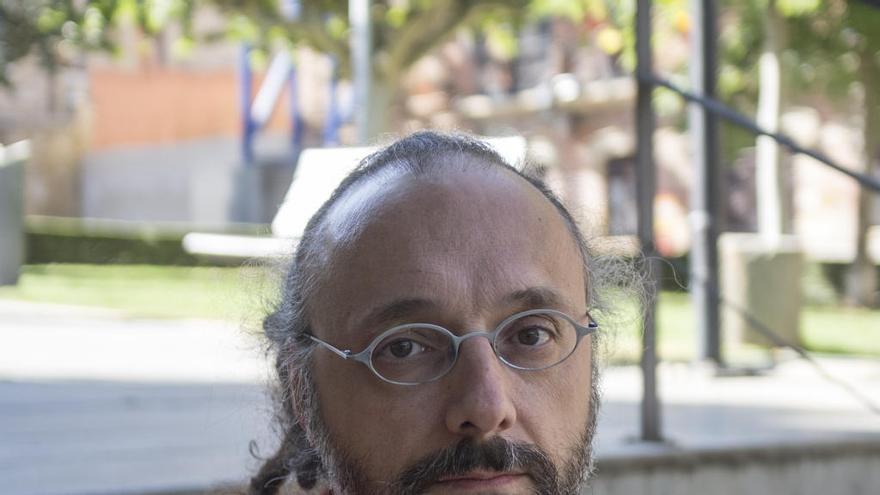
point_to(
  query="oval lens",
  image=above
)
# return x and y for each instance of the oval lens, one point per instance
(413, 355)
(536, 341)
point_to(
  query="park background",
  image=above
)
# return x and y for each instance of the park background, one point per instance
(129, 125)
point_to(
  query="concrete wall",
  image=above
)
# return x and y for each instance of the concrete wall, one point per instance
(839, 469)
(192, 181)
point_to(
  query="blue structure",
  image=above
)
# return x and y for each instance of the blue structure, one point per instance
(255, 111)
(245, 81)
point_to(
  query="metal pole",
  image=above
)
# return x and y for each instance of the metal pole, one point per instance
(331, 125)
(297, 126)
(2, 51)
(290, 10)
(247, 124)
(705, 210)
(645, 185)
(361, 50)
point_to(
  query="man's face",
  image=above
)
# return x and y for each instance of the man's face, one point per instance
(463, 251)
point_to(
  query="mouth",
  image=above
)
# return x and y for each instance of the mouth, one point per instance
(478, 481)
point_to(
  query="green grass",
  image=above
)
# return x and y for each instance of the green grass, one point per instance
(241, 294)
(146, 290)
(824, 329)
(841, 330)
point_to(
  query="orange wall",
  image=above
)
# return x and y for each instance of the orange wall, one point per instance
(152, 106)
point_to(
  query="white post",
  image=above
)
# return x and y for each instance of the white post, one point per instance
(767, 178)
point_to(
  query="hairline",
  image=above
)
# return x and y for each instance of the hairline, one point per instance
(398, 169)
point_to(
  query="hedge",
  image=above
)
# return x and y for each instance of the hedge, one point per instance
(73, 240)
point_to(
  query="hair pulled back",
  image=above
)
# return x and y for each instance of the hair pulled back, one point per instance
(285, 327)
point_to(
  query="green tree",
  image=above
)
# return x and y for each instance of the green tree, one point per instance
(402, 30)
(839, 48)
(818, 48)
(57, 31)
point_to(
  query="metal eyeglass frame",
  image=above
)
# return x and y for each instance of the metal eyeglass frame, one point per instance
(365, 356)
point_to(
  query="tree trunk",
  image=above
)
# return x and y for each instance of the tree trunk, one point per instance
(861, 279)
(52, 90)
(380, 108)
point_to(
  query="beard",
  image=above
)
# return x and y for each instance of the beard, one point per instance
(501, 455)
(346, 475)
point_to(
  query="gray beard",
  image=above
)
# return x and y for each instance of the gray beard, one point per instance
(346, 476)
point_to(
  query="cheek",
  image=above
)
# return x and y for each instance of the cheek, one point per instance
(555, 405)
(384, 427)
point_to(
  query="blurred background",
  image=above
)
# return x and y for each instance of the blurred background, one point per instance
(147, 152)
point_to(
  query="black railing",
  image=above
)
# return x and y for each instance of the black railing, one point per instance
(706, 281)
(725, 112)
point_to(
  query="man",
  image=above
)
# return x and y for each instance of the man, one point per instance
(434, 333)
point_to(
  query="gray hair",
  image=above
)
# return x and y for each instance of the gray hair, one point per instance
(287, 325)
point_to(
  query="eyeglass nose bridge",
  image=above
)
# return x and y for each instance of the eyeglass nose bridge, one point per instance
(458, 340)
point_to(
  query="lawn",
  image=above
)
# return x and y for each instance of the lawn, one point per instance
(824, 329)
(149, 291)
(242, 294)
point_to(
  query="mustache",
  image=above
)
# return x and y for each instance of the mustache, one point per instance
(496, 454)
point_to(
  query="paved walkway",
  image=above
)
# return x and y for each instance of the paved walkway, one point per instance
(94, 403)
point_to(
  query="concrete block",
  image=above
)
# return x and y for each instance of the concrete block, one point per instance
(12, 162)
(259, 188)
(763, 281)
(847, 468)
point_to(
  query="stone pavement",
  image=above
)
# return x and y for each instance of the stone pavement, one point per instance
(94, 403)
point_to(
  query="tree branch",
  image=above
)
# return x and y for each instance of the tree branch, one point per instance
(431, 27)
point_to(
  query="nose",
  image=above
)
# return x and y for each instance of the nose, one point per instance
(480, 404)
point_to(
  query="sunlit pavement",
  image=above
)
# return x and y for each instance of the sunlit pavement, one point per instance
(94, 403)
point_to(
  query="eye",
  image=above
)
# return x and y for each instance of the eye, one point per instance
(537, 340)
(403, 348)
(533, 336)
(406, 346)
(531, 332)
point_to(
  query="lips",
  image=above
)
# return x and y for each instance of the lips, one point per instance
(479, 480)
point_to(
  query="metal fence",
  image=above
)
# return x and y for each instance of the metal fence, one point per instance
(704, 113)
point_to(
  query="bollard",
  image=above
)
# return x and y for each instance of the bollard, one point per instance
(764, 281)
(12, 163)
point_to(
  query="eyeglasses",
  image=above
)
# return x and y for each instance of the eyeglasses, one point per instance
(417, 353)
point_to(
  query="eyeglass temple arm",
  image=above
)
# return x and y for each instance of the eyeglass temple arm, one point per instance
(335, 350)
(590, 327)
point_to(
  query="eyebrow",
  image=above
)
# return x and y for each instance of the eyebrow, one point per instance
(398, 309)
(536, 297)
(405, 308)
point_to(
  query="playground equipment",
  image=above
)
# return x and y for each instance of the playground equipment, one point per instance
(260, 181)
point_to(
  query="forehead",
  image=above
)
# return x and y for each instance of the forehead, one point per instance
(464, 241)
